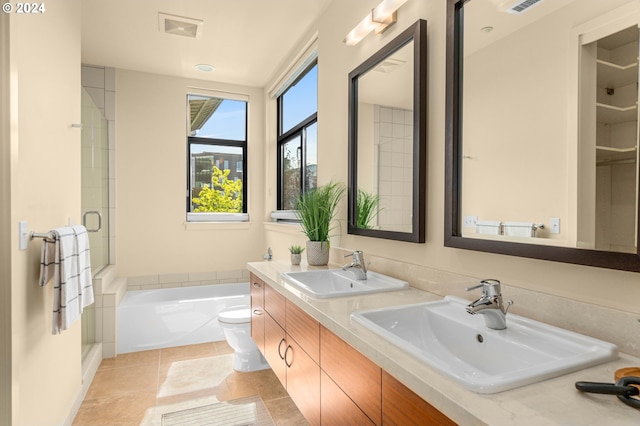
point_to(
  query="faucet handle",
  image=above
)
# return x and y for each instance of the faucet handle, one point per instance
(490, 287)
(357, 256)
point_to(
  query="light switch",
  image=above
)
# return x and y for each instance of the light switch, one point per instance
(23, 235)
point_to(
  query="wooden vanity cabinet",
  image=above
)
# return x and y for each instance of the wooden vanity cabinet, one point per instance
(353, 374)
(330, 382)
(401, 406)
(257, 311)
(292, 351)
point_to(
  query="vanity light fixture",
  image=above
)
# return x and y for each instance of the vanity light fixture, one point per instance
(378, 20)
(205, 67)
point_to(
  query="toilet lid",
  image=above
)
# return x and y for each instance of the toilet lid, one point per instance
(235, 317)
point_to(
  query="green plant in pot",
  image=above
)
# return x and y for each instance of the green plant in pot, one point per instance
(368, 207)
(296, 254)
(316, 209)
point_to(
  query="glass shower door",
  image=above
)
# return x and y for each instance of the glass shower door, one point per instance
(95, 199)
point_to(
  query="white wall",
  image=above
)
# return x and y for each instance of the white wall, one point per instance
(45, 191)
(609, 288)
(151, 160)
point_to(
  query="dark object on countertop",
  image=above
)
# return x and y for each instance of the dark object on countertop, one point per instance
(621, 389)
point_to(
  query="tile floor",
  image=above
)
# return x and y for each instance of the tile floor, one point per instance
(137, 388)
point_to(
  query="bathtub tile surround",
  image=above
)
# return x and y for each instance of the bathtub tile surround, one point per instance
(618, 327)
(137, 388)
(187, 279)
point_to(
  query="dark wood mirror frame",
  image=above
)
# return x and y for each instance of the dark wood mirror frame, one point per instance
(418, 34)
(453, 168)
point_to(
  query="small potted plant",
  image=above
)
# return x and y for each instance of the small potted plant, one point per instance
(296, 254)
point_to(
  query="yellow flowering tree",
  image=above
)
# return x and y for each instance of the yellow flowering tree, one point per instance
(224, 195)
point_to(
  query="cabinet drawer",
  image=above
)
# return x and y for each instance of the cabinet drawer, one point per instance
(274, 304)
(354, 373)
(401, 406)
(336, 408)
(304, 330)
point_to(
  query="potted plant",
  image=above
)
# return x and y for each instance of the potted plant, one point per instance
(316, 209)
(296, 254)
(368, 207)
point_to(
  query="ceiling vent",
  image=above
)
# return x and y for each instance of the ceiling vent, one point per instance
(521, 6)
(179, 25)
(388, 65)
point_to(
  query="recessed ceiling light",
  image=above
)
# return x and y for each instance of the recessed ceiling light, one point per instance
(486, 29)
(205, 67)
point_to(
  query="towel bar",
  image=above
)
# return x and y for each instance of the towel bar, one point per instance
(46, 235)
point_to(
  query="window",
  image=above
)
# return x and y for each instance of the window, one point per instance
(216, 138)
(297, 137)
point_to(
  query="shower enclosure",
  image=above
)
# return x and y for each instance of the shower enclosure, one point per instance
(95, 200)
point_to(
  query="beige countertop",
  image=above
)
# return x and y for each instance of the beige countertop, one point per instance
(551, 402)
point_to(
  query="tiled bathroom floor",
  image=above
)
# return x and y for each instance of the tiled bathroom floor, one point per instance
(137, 388)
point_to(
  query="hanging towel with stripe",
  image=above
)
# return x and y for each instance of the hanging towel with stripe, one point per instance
(67, 261)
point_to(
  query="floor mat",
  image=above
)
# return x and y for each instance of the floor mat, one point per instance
(236, 412)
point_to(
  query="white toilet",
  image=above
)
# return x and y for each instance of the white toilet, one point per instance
(236, 325)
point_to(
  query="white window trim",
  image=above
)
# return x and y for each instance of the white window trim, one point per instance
(284, 216)
(193, 217)
(298, 65)
(217, 217)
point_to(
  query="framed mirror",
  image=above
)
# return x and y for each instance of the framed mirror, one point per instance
(388, 140)
(542, 130)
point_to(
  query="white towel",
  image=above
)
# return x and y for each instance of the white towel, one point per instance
(490, 227)
(519, 229)
(69, 257)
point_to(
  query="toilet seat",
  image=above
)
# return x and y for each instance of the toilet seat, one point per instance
(238, 316)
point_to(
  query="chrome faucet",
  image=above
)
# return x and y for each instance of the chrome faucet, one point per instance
(490, 304)
(357, 266)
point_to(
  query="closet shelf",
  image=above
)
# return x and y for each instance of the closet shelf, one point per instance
(610, 154)
(613, 114)
(613, 75)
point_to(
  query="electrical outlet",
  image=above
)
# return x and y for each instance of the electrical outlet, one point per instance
(554, 225)
(470, 221)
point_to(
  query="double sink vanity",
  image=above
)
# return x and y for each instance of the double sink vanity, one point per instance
(373, 349)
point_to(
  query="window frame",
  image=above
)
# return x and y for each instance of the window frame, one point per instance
(298, 130)
(242, 144)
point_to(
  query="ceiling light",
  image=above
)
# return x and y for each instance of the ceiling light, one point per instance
(378, 20)
(205, 67)
(487, 29)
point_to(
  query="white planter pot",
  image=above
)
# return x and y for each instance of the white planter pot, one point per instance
(317, 253)
(295, 258)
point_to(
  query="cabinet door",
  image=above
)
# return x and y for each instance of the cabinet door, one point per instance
(303, 381)
(275, 345)
(274, 304)
(304, 330)
(354, 373)
(336, 408)
(401, 406)
(257, 311)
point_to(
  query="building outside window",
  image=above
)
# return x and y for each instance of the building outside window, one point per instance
(216, 138)
(297, 137)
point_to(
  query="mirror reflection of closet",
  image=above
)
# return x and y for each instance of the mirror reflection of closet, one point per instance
(609, 141)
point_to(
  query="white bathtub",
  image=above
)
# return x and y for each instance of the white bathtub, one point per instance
(152, 319)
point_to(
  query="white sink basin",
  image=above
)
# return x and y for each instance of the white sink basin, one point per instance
(458, 344)
(325, 283)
